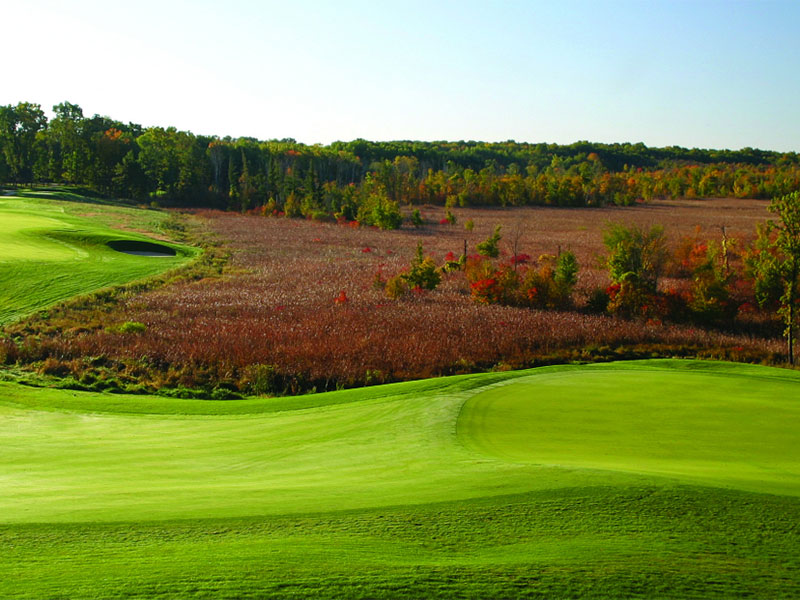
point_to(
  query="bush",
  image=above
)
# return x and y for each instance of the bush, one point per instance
(629, 298)
(490, 246)
(550, 286)
(486, 291)
(132, 327)
(293, 208)
(634, 251)
(710, 300)
(379, 211)
(396, 287)
(635, 261)
(259, 380)
(422, 274)
(598, 301)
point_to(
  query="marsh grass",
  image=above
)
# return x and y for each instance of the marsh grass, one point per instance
(277, 307)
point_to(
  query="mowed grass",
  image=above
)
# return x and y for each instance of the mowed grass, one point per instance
(646, 479)
(703, 426)
(49, 252)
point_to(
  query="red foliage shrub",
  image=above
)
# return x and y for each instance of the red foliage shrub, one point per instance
(520, 259)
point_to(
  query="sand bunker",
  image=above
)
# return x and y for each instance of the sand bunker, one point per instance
(141, 248)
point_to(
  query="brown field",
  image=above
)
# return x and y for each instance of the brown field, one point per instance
(276, 303)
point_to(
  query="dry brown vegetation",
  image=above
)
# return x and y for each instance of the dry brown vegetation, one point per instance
(279, 303)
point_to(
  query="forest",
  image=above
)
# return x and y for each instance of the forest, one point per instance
(361, 180)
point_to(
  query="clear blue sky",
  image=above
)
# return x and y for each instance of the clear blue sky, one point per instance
(709, 74)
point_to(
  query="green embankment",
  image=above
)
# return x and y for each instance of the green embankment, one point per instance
(51, 251)
(648, 479)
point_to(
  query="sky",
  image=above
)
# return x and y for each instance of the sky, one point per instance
(700, 73)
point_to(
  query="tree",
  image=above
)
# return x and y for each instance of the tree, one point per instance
(776, 264)
(636, 258)
(489, 247)
(635, 253)
(216, 155)
(18, 128)
(129, 179)
(423, 272)
(159, 159)
(69, 152)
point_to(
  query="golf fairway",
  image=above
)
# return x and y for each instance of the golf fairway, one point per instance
(597, 480)
(49, 252)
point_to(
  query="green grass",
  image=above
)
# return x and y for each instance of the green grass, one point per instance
(700, 427)
(54, 250)
(645, 479)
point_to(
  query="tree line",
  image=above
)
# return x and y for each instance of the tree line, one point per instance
(363, 180)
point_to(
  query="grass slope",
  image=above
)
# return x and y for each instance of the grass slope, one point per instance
(51, 251)
(705, 427)
(552, 482)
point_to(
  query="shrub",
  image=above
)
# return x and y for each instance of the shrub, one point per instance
(379, 211)
(635, 261)
(260, 380)
(566, 273)
(598, 301)
(386, 215)
(485, 291)
(710, 301)
(423, 272)
(634, 250)
(293, 207)
(132, 327)
(321, 216)
(628, 297)
(378, 282)
(222, 393)
(453, 263)
(396, 287)
(490, 246)
(550, 285)
(688, 253)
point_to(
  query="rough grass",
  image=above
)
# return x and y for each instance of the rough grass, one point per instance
(426, 489)
(49, 252)
(277, 305)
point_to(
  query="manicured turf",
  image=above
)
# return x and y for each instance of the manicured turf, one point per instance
(655, 478)
(49, 252)
(701, 427)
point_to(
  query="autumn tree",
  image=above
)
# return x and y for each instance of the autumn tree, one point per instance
(775, 263)
(636, 259)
